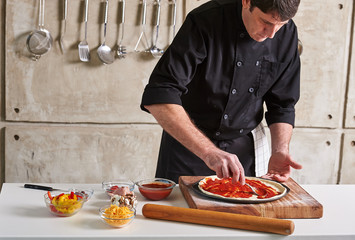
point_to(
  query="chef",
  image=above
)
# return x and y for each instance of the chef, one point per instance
(208, 91)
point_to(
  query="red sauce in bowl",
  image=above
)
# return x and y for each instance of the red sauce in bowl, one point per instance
(156, 190)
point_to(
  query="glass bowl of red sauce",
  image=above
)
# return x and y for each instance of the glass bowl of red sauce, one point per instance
(155, 188)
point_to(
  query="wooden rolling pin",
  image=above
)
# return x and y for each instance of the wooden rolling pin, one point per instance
(221, 219)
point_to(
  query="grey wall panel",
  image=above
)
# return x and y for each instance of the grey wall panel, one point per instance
(324, 61)
(318, 151)
(2, 72)
(80, 154)
(350, 98)
(347, 175)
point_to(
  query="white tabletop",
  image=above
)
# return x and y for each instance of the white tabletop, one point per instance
(23, 215)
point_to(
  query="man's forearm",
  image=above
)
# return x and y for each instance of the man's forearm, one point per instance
(174, 120)
(280, 137)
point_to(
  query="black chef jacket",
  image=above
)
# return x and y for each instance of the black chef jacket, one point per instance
(222, 77)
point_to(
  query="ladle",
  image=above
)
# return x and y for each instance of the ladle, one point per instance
(104, 52)
(154, 50)
(39, 42)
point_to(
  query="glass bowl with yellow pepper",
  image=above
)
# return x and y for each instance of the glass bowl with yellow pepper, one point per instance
(64, 204)
(117, 216)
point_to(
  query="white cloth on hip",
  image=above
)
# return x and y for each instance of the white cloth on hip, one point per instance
(262, 151)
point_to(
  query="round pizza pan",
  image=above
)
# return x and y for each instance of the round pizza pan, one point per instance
(196, 188)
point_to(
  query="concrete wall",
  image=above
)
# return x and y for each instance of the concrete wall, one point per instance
(2, 91)
(68, 121)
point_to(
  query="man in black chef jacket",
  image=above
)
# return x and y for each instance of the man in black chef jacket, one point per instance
(208, 89)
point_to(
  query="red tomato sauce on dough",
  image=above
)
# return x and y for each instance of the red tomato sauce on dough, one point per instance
(225, 188)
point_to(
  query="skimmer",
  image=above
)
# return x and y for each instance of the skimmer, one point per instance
(40, 41)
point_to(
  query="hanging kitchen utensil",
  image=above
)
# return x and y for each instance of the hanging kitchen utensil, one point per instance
(174, 17)
(84, 51)
(154, 50)
(39, 42)
(142, 34)
(104, 52)
(121, 50)
(64, 28)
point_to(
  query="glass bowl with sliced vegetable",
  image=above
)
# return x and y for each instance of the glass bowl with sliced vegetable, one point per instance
(64, 204)
(117, 216)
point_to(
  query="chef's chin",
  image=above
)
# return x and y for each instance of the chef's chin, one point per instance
(259, 38)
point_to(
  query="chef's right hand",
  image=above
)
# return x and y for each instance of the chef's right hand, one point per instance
(225, 165)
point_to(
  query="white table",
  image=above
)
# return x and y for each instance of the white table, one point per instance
(23, 215)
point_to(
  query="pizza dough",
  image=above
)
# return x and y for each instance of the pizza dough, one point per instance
(215, 187)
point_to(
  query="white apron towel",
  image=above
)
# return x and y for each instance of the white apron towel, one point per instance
(262, 152)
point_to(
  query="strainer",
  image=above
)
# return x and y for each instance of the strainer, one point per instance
(39, 41)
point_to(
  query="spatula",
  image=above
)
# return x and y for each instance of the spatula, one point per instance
(84, 51)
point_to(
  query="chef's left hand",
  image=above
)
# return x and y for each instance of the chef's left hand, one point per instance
(280, 165)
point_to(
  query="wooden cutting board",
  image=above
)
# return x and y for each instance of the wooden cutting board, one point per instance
(296, 204)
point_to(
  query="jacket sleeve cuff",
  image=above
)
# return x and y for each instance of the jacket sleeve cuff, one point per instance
(283, 115)
(154, 95)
